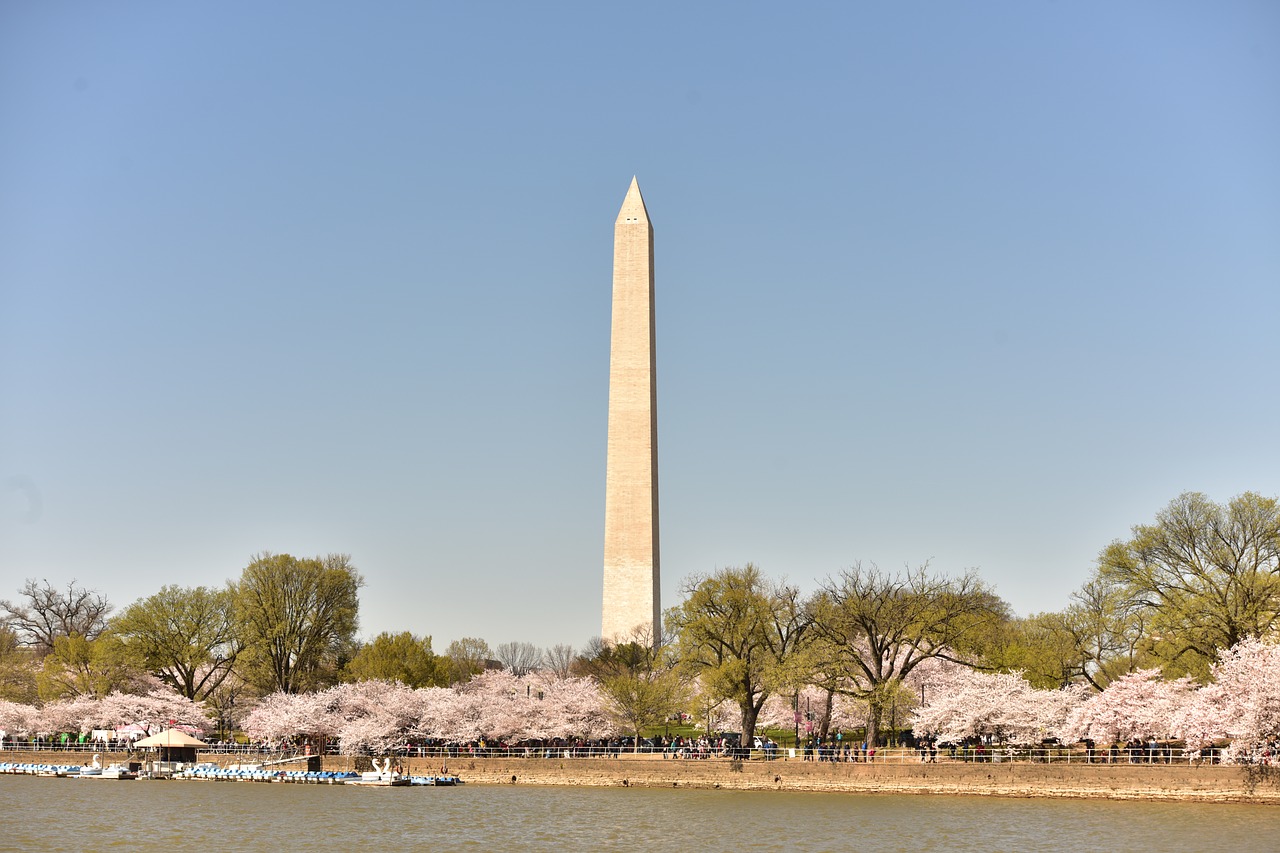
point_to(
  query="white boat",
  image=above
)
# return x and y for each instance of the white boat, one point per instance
(382, 776)
(117, 771)
(111, 771)
(381, 780)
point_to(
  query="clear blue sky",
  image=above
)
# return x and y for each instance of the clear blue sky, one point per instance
(984, 284)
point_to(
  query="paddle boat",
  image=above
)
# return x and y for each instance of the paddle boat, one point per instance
(382, 776)
(95, 770)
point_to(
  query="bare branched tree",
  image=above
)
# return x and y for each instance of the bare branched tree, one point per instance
(50, 612)
(559, 660)
(520, 659)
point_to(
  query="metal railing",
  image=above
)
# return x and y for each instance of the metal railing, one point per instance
(694, 751)
(91, 747)
(884, 755)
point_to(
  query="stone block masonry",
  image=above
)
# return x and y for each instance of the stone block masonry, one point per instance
(631, 554)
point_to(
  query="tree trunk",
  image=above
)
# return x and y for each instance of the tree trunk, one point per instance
(874, 712)
(824, 729)
(750, 713)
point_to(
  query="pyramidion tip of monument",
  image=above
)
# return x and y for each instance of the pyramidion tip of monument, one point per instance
(633, 210)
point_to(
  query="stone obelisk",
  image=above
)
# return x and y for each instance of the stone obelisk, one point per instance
(631, 601)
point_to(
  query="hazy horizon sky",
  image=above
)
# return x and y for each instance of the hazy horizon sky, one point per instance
(983, 285)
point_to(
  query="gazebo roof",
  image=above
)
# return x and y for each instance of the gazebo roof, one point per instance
(170, 738)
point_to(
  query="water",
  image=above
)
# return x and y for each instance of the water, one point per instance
(75, 815)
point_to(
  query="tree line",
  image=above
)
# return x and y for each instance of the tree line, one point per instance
(1172, 598)
(287, 624)
(1182, 591)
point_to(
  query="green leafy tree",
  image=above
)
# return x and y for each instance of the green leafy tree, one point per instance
(645, 699)
(1042, 647)
(78, 666)
(1110, 632)
(1099, 637)
(740, 634)
(296, 619)
(640, 680)
(872, 629)
(18, 667)
(185, 637)
(1205, 576)
(467, 658)
(402, 657)
(602, 659)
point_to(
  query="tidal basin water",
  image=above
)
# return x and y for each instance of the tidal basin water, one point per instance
(73, 814)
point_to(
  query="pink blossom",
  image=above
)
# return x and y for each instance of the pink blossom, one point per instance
(779, 711)
(1242, 702)
(1133, 707)
(284, 715)
(573, 707)
(965, 703)
(16, 718)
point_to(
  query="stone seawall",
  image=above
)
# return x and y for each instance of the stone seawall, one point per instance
(1162, 782)
(1205, 783)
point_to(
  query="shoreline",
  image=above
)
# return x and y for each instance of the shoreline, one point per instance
(1207, 784)
(1161, 782)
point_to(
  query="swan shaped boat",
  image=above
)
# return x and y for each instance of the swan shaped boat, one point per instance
(382, 776)
(111, 771)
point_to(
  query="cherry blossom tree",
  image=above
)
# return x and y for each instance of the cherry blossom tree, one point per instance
(574, 707)
(1242, 702)
(372, 715)
(779, 711)
(366, 715)
(819, 710)
(285, 715)
(1135, 706)
(494, 704)
(967, 703)
(438, 707)
(711, 712)
(16, 718)
(501, 706)
(66, 715)
(152, 711)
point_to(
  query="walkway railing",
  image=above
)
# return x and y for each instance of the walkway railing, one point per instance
(890, 755)
(695, 752)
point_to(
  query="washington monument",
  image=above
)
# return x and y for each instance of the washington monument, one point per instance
(631, 601)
